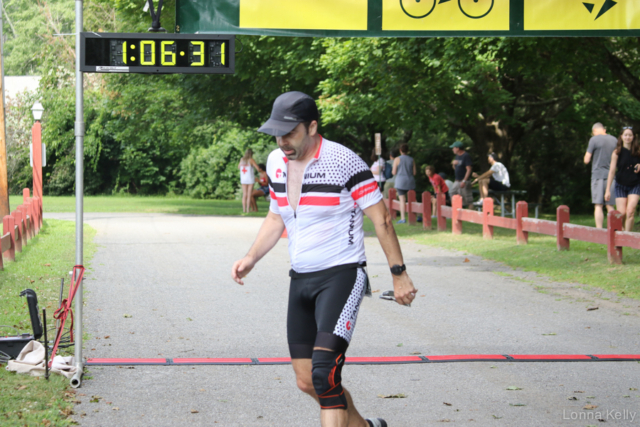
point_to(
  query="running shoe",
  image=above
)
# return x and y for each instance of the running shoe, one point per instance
(402, 221)
(376, 422)
(478, 203)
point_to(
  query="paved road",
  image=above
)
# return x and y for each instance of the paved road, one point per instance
(170, 273)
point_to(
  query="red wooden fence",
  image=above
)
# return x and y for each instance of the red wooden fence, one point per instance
(562, 229)
(20, 226)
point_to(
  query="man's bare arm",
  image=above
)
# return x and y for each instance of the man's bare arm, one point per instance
(268, 236)
(404, 291)
(587, 158)
(487, 174)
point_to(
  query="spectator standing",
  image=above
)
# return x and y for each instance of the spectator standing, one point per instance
(496, 178)
(599, 150)
(404, 169)
(388, 172)
(626, 159)
(439, 186)
(247, 178)
(463, 167)
(262, 190)
(377, 169)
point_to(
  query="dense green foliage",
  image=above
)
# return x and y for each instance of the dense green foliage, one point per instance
(531, 100)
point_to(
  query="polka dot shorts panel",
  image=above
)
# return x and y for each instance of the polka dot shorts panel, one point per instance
(347, 321)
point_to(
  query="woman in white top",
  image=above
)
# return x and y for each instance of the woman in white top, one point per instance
(377, 169)
(247, 178)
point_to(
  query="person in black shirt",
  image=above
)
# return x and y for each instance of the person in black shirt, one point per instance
(463, 167)
(626, 159)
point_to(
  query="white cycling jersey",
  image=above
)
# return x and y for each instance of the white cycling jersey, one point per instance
(326, 229)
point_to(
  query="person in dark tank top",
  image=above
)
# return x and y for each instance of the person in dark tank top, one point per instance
(626, 160)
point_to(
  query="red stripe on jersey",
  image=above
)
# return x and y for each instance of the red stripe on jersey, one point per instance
(282, 201)
(363, 191)
(319, 148)
(272, 194)
(319, 201)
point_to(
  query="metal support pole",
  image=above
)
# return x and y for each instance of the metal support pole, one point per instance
(76, 380)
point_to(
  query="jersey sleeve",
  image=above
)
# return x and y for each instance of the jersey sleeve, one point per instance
(592, 146)
(273, 199)
(360, 183)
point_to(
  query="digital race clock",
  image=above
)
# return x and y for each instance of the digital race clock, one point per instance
(157, 53)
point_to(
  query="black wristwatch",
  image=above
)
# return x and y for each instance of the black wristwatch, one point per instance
(397, 270)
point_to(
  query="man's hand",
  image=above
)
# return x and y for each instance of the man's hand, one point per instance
(241, 268)
(462, 184)
(637, 168)
(607, 195)
(403, 289)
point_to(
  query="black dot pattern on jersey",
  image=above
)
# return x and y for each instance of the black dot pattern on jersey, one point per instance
(347, 321)
(335, 166)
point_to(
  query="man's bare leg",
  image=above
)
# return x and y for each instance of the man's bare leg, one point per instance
(599, 215)
(403, 206)
(328, 417)
(484, 188)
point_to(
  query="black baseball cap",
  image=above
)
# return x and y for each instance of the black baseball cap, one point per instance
(288, 110)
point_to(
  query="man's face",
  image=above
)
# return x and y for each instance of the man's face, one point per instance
(298, 143)
(491, 160)
(456, 150)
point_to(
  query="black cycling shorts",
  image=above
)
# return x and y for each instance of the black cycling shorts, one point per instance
(323, 307)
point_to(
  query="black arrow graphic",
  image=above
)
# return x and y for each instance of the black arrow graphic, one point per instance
(589, 6)
(606, 7)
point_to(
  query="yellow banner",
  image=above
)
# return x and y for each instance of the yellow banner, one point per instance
(304, 14)
(581, 15)
(445, 15)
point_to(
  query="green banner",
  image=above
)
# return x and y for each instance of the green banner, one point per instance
(410, 18)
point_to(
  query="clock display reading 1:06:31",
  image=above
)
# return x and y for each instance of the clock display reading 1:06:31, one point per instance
(157, 53)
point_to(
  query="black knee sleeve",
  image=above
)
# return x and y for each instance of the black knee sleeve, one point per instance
(327, 379)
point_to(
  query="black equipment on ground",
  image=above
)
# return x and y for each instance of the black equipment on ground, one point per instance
(13, 345)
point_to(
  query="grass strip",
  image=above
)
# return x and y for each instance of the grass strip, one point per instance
(586, 263)
(147, 204)
(27, 400)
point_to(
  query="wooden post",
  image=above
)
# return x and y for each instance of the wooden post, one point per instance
(614, 223)
(456, 224)
(426, 210)
(24, 232)
(34, 214)
(392, 197)
(4, 180)
(17, 221)
(563, 217)
(25, 195)
(522, 211)
(487, 211)
(8, 227)
(441, 200)
(411, 198)
(29, 211)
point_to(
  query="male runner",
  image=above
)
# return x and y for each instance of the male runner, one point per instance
(319, 190)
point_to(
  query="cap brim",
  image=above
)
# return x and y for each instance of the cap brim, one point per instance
(277, 128)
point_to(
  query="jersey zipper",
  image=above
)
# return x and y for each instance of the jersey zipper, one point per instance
(295, 213)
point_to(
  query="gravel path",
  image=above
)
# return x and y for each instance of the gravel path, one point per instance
(171, 275)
